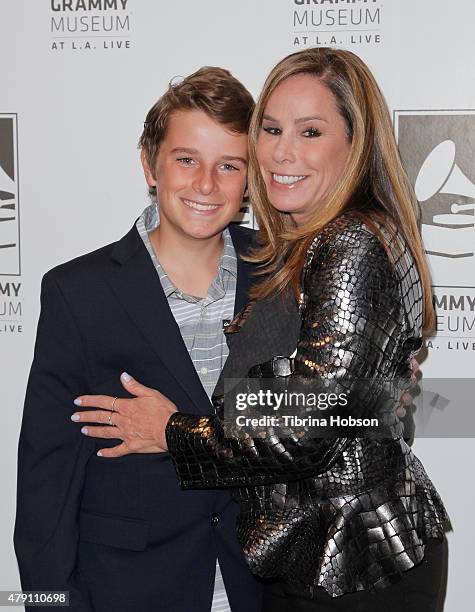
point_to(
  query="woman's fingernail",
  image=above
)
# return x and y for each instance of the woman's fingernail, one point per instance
(84, 430)
(99, 454)
(75, 417)
(126, 377)
(77, 402)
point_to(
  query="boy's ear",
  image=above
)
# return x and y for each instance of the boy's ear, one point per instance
(151, 182)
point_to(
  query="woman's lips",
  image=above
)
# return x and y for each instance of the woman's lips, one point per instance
(287, 181)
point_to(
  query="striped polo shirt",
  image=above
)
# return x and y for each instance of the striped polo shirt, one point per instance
(201, 325)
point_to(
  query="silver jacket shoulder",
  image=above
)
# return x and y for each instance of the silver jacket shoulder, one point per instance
(359, 254)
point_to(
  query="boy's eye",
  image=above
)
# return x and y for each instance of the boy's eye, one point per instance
(312, 133)
(272, 130)
(185, 160)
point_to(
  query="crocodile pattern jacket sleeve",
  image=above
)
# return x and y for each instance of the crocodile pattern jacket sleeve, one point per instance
(342, 513)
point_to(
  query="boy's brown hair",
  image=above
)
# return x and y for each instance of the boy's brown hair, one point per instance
(211, 90)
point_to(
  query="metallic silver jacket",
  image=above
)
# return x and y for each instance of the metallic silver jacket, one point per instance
(344, 514)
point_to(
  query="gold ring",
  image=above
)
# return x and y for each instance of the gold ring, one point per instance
(109, 420)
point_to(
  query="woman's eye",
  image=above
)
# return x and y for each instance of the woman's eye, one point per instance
(312, 133)
(229, 167)
(272, 130)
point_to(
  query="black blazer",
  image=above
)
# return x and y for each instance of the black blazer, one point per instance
(103, 528)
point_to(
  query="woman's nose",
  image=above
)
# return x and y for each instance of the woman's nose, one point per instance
(284, 150)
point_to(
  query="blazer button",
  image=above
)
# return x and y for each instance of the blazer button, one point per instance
(214, 519)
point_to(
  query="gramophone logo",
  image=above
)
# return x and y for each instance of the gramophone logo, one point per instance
(437, 148)
(9, 214)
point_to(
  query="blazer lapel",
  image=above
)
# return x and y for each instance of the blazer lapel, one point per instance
(135, 282)
(245, 279)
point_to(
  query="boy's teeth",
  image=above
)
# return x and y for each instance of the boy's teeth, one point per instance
(286, 179)
(197, 206)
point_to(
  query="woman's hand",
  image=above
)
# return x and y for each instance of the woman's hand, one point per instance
(140, 422)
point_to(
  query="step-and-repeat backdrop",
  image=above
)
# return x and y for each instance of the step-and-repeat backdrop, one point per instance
(76, 80)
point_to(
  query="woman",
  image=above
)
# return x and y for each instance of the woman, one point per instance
(331, 516)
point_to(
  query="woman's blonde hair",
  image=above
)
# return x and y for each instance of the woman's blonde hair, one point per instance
(373, 184)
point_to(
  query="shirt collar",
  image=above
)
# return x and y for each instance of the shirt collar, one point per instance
(147, 222)
(229, 258)
(151, 217)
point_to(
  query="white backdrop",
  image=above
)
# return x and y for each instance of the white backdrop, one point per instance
(75, 87)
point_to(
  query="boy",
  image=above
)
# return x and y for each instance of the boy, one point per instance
(120, 534)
